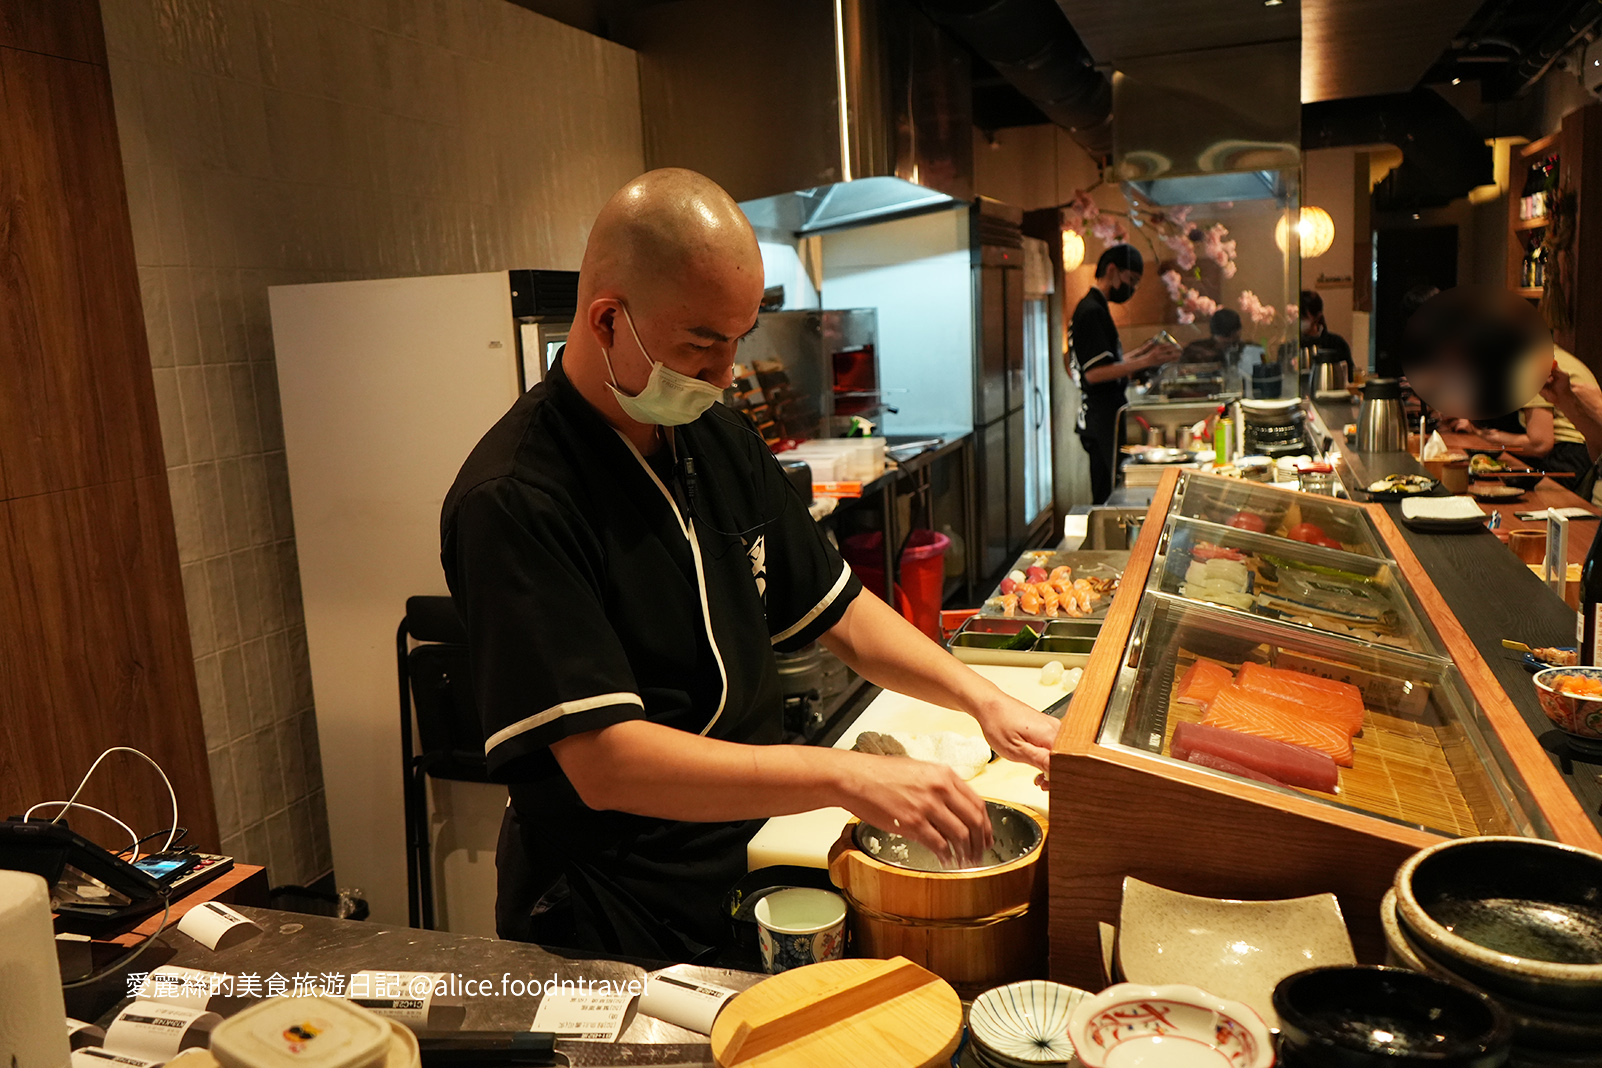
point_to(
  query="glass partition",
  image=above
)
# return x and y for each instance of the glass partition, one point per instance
(1425, 756)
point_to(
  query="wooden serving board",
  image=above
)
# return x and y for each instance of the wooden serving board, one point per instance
(887, 1013)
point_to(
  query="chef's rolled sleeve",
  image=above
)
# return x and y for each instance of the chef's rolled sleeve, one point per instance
(547, 663)
(808, 585)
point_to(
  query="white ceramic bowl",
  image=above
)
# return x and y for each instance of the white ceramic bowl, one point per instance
(1025, 1023)
(1133, 1026)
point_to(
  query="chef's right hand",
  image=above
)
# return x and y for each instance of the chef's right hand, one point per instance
(928, 803)
(1161, 354)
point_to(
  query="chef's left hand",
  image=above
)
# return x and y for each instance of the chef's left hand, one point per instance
(1017, 732)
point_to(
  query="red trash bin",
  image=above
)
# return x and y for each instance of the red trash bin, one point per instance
(923, 574)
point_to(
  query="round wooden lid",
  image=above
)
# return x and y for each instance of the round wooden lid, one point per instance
(891, 1014)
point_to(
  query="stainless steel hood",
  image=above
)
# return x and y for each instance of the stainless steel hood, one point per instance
(814, 114)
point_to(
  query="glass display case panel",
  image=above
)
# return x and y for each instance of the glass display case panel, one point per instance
(1425, 757)
(1281, 512)
(1355, 597)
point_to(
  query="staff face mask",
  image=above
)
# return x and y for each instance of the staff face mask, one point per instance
(1121, 292)
(669, 398)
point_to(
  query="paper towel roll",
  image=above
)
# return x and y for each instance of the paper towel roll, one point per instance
(33, 1017)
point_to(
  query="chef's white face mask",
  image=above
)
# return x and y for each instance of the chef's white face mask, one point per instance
(669, 398)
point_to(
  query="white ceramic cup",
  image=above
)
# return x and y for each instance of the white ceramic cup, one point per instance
(800, 926)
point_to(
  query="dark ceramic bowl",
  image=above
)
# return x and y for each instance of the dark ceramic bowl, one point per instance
(1534, 1026)
(1514, 916)
(1366, 1017)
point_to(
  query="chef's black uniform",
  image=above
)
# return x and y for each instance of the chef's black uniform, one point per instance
(1094, 341)
(588, 602)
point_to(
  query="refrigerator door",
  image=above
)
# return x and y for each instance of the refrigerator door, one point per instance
(1013, 341)
(1037, 407)
(991, 494)
(992, 340)
(1019, 515)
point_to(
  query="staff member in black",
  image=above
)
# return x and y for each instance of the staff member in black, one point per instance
(627, 555)
(1100, 362)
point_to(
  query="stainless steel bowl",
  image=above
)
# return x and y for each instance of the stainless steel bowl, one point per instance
(1015, 832)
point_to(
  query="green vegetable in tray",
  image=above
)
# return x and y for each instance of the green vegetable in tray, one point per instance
(1024, 639)
(1320, 569)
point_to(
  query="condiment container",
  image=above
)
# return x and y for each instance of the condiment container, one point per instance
(302, 1032)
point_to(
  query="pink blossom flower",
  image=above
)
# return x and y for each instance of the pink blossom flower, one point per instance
(1084, 205)
(1292, 313)
(1254, 309)
(1170, 280)
(1184, 316)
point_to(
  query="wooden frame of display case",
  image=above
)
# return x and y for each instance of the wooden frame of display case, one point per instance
(1118, 812)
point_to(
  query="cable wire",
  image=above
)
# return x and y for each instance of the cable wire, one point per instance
(99, 812)
(122, 962)
(171, 795)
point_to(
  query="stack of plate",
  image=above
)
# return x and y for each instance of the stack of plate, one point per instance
(1516, 919)
(1023, 1025)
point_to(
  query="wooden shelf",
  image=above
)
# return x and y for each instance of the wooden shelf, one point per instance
(1538, 148)
(1533, 292)
(1530, 224)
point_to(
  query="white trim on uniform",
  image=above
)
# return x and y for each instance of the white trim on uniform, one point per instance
(566, 708)
(687, 526)
(817, 609)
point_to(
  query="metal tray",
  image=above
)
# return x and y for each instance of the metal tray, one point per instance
(1101, 563)
(1068, 641)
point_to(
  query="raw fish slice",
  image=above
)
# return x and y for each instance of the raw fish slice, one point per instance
(1254, 713)
(1293, 765)
(1207, 760)
(1202, 681)
(1304, 707)
(1339, 701)
(1061, 573)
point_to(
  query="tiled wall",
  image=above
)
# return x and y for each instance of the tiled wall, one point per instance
(268, 142)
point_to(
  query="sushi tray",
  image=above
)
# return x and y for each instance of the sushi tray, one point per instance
(1025, 642)
(1045, 585)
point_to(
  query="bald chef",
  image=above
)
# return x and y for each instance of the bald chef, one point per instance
(627, 554)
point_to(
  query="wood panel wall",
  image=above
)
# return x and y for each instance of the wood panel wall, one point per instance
(94, 637)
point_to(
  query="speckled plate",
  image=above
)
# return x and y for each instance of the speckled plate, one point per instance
(1235, 949)
(1025, 1023)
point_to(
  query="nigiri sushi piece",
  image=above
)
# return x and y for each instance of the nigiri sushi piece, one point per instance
(1049, 600)
(1009, 604)
(1326, 698)
(1201, 682)
(1029, 601)
(1061, 573)
(1260, 714)
(1084, 595)
(1293, 765)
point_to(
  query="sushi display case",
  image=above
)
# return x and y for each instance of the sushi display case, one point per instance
(1269, 716)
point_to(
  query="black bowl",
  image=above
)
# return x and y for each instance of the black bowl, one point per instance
(1364, 1017)
(1515, 916)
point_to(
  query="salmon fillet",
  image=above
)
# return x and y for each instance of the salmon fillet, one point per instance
(1340, 702)
(1269, 717)
(1202, 681)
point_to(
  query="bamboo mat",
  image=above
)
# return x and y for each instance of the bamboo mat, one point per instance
(1401, 770)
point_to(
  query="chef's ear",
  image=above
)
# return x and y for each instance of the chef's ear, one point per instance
(603, 319)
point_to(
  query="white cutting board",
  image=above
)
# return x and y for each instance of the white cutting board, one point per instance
(804, 838)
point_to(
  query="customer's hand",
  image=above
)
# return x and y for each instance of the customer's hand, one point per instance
(1559, 390)
(1462, 426)
(926, 802)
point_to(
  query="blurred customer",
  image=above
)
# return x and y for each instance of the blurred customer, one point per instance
(1099, 365)
(1388, 364)
(1316, 334)
(1542, 433)
(1573, 391)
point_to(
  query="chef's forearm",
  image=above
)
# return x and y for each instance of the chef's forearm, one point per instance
(653, 770)
(882, 647)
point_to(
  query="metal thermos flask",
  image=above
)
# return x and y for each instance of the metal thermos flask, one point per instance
(1381, 421)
